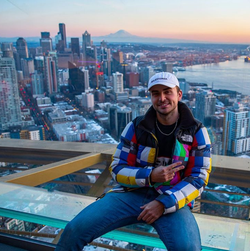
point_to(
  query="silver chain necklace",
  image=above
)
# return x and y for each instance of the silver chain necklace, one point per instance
(166, 134)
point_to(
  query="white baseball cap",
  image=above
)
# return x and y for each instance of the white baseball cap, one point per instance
(163, 78)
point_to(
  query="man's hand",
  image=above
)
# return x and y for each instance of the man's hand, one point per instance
(151, 211)
(165, 173)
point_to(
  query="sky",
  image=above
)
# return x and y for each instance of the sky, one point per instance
(201, 20)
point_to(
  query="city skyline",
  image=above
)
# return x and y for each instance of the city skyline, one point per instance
(213, 21)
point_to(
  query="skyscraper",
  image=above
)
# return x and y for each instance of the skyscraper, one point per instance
(37, 83)
(90, 54)
(86, 39)
(236, 130)
(6, 46)
(146, 74)
(51, 72)
(106, 60)
(27, 65)
(86, 78)
(7, 49)
(86, 42)
(119, 117)
(117, 60)
(118, 82)
(22, 48)
(46, 42)
(10, 112)
(76, 79)
(205, 105)
(59, 42)
(132, 79)
(62, 30)
(75, 46)
(167, 67)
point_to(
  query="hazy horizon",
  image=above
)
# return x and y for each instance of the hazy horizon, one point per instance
(211, 21)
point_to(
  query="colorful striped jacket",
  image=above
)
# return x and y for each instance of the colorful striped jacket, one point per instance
(136, 155)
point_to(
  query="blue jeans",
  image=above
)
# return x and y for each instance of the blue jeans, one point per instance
(178, 231)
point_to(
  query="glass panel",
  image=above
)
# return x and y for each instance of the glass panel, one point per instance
(40, 206)
(57, 208)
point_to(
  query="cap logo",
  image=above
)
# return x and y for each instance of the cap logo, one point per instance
(158, 79)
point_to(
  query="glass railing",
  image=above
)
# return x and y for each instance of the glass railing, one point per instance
(22, 199)
(56, 209)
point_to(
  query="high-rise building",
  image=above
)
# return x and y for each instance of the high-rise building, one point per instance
(132, 79)
(205, 106)
(59, 43)
(118, 56)
(146, 74)
(86, 39)
(167, 67)
(76, 79)
(86, 78)
(39, 64)
(51, 73)
(75, 46)
(63, 75)
(7, 50)
(22, 48)
(119, 117)
(236, 130)
(62, 30)
(184, 86)
(88, 100)
(37, 83)
(10, 112)
(46, 42)
(86, 42)
(117, 60)
(106, 60)
(118, 82)
(27, 65)
(5, 46)
(90, 55)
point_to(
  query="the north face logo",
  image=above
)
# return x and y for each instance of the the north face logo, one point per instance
(187, 138)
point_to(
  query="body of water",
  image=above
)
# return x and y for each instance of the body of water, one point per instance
(231, 75)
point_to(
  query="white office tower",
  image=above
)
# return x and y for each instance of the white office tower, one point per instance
(86, 78)
(236, 130)
(88, 100)
(10, 112)
(118, 82)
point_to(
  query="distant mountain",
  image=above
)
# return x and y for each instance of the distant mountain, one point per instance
(121, 33)
(124, 36)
